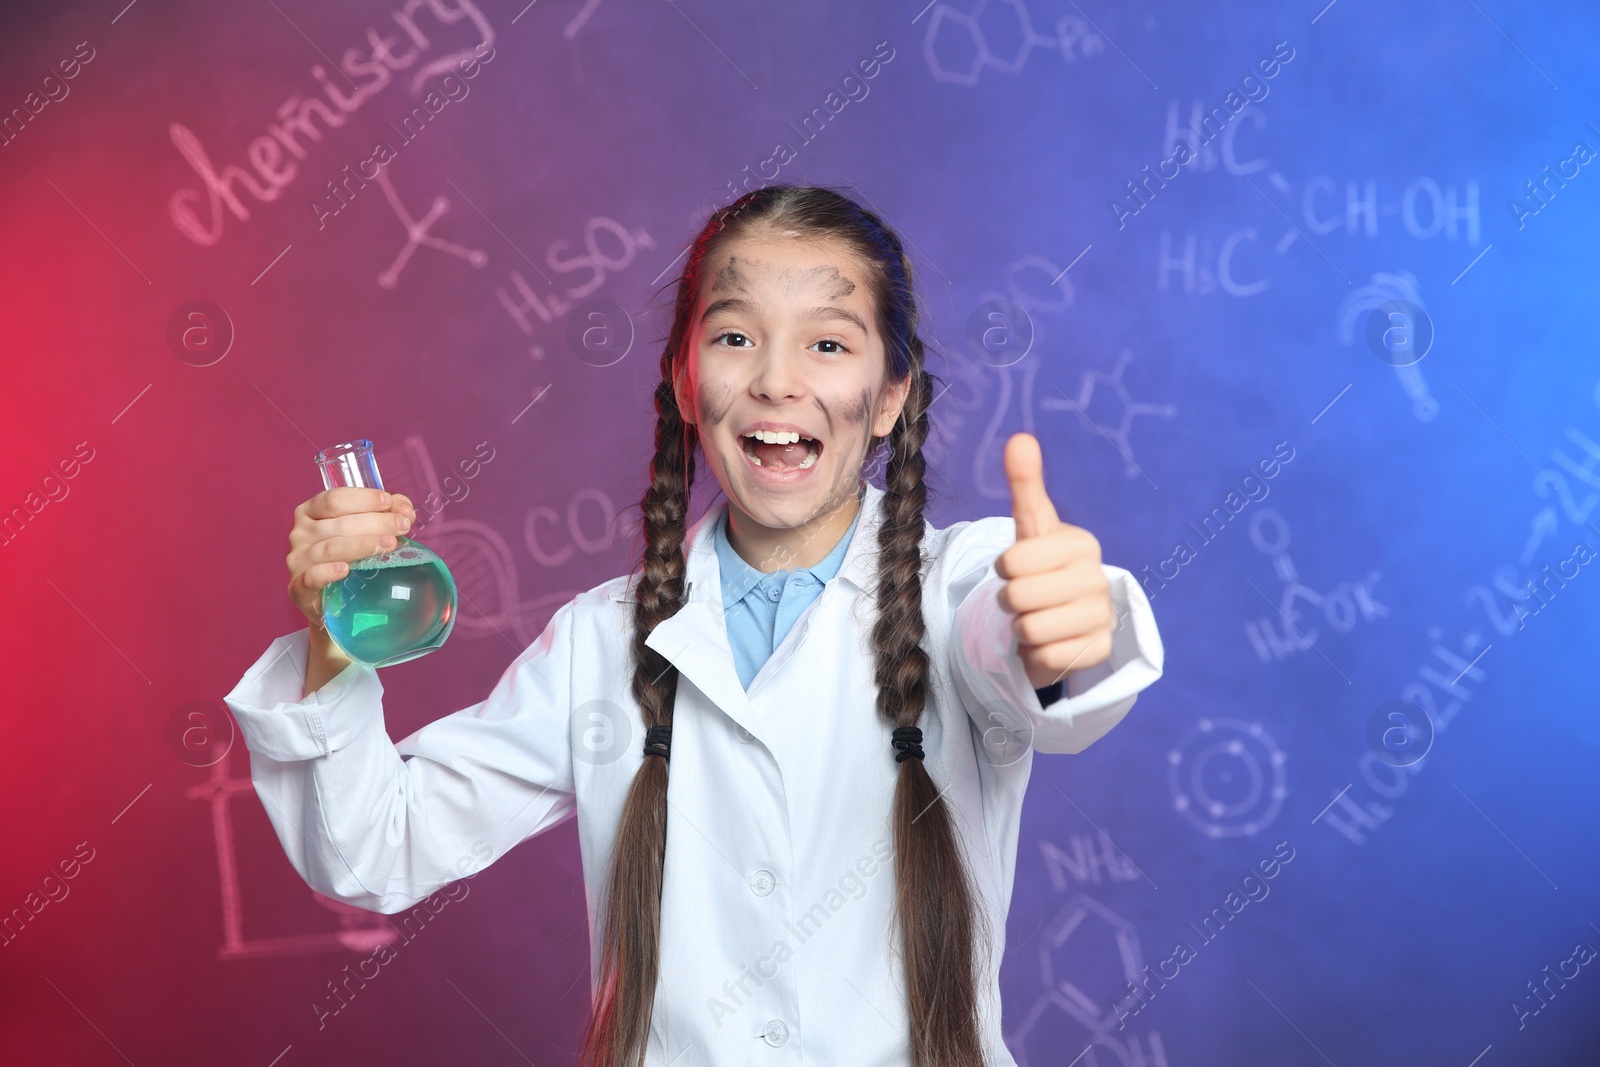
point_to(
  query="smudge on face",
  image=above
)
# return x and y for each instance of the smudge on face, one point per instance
(861, 410)
(728, 277)
(715, 409)
(839, 285)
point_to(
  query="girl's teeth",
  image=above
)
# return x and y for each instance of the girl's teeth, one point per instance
(805, 464)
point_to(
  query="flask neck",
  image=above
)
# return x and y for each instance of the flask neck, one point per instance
(350, 464)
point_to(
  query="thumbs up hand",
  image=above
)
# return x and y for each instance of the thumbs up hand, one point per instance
(1054, 584)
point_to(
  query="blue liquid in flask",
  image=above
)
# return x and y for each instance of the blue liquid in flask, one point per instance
(394, 606)
(391, 607)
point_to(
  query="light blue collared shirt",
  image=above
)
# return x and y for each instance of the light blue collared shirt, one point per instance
(759, 608)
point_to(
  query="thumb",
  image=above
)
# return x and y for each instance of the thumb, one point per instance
(1030, 503)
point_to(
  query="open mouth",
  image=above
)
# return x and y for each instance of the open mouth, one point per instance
(780, 450)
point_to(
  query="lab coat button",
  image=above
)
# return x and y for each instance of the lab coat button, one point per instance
(762, 883)
(745, 736)
(775, 1033)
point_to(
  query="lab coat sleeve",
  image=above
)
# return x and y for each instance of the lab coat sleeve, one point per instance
(988, 671)
(382, 825)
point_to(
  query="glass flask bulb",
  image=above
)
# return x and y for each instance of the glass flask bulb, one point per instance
(394, 606)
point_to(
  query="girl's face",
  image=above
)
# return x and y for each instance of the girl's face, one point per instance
(783, 337)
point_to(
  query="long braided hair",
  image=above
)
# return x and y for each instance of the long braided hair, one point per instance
(936, 912)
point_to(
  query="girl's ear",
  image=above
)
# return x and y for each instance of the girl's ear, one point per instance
(893, 403)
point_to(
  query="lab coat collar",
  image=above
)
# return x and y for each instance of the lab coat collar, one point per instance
(704, 572)
(695, 639)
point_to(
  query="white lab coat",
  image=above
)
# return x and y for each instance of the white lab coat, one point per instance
(779, 883)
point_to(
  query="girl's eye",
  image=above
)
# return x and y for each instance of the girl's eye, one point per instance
(744, 341)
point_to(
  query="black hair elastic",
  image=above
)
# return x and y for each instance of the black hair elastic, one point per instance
(658, 742)
(907, 743)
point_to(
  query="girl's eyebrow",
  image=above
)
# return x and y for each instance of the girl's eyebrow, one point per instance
(734, 303)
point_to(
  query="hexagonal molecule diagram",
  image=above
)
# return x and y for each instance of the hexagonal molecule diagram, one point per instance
(1000, 34)
(1112, 414)
(1088, 959)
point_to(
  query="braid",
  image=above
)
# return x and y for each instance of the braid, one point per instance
(935, 901)
(666, 518)
(901, 664)
(630, 953)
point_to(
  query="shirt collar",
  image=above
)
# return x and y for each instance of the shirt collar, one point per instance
(739, 577)
(859, 565)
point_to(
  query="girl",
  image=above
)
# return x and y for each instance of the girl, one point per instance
(848, 698)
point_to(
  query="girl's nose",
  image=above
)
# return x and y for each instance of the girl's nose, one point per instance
(778, 379)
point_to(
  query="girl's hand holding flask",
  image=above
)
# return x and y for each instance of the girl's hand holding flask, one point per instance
(372, 594)
(336, 528)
